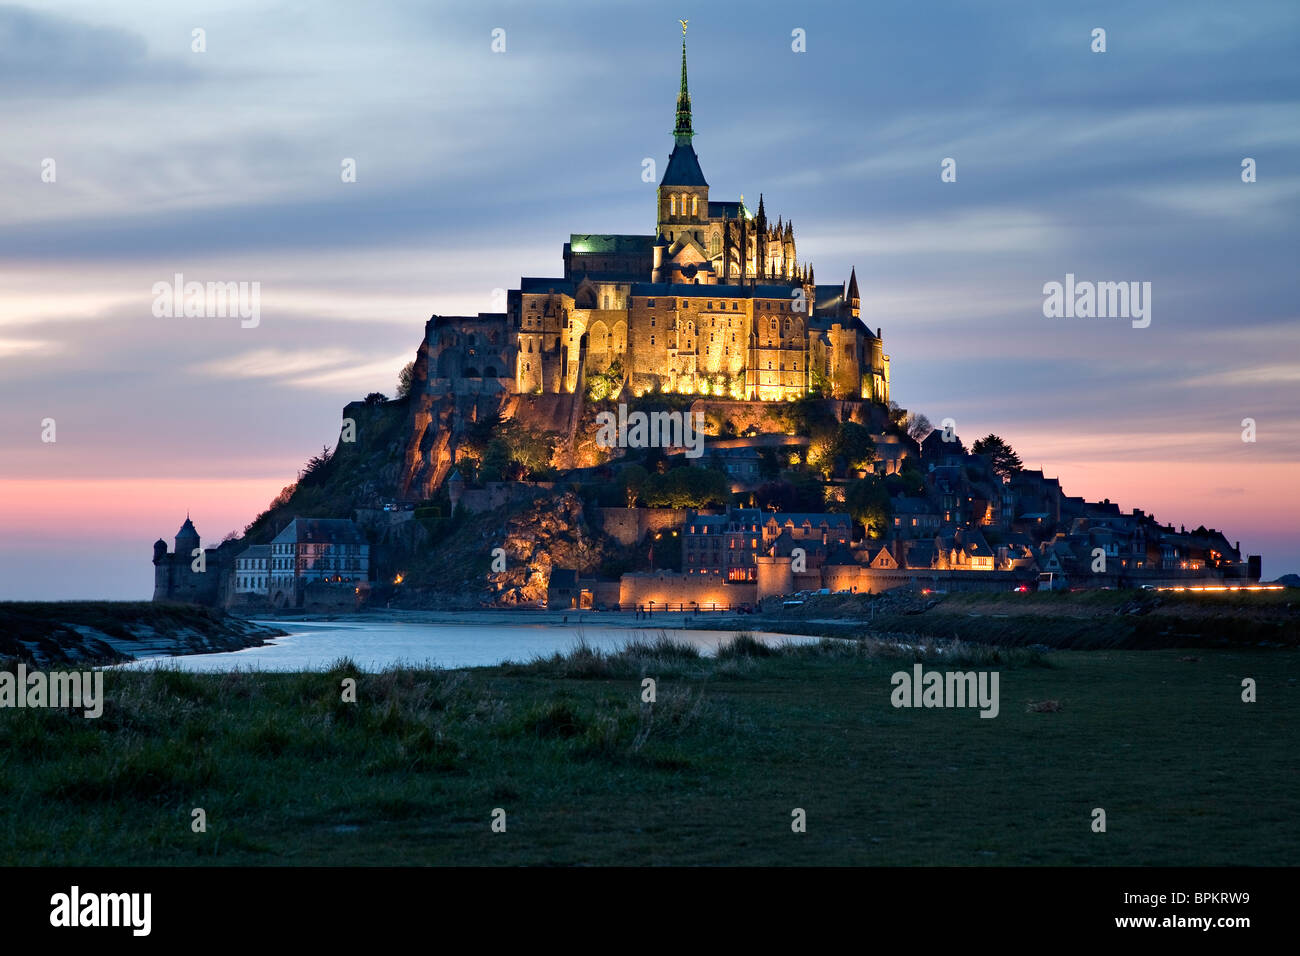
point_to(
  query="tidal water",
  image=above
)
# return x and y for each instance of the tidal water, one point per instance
(375, 646)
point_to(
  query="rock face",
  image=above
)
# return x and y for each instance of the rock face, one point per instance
(436, 421)
(549, 533)
(457, 569)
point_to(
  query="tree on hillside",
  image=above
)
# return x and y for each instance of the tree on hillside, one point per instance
(853, 444)
(917, 426)
(908, 481)
(1000, 455)
(687, 487)
(634, 479)
(606, 384)
(897, 413)
(314, 470)
(404, 379)
(769, 464)
(869, 503)
(819, 386)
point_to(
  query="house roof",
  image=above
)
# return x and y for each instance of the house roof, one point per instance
(320, 531)
(913, 506)
(730, 209)
(539, 284)
(610, 244)
(832, 520)
(920, 554)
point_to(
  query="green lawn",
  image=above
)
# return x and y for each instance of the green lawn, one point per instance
(288, 774)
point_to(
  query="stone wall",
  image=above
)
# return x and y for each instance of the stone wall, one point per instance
(670, 589)
(628, 526)
(497, 494)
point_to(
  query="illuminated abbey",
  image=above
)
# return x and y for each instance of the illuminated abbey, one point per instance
(713, 302)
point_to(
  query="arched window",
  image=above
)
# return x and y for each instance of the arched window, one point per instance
(695, 205)
(672, 205)
(715, 247)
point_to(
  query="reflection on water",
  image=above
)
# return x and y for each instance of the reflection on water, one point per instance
(372, 647)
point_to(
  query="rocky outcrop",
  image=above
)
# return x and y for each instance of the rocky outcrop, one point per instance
(105, 632)
(456, 570)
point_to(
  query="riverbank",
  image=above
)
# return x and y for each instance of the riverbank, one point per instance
(1085, 620)
(83, 633)
(586, 772)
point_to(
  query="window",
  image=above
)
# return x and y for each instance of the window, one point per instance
(672, 205)
(695, 205)
(652, 340)
(650, 303)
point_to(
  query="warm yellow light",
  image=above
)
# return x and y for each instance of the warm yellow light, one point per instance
(398, 579)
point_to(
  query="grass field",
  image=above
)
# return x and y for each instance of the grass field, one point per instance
(410, 774)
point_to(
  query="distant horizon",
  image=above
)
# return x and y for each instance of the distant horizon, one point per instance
(473, 167)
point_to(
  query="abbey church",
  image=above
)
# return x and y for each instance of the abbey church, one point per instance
(714, 302)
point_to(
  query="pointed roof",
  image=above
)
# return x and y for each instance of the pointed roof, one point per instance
(853, 284)
(683, 168)
(187, 529)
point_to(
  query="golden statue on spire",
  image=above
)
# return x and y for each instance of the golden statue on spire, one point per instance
(683, 23)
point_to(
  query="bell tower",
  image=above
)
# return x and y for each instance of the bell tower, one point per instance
(683, 199)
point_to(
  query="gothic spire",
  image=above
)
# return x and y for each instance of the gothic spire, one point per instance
(683, 133)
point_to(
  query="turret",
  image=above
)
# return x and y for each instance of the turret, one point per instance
(187, 539)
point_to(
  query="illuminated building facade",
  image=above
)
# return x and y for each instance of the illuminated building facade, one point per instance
(713, 302)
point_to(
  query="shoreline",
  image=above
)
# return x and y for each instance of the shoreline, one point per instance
(512, 616)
